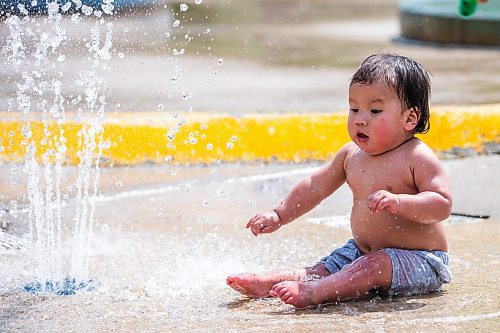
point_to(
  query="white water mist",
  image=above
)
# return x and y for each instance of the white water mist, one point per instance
(36, 48)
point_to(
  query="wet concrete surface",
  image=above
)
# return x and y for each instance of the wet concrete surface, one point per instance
(166, 237)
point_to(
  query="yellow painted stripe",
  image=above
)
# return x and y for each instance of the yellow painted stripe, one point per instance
(132, 138)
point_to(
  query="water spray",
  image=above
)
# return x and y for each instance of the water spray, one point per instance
(35, 49)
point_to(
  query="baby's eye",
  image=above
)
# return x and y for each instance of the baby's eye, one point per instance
(354, 110)
(375, 111)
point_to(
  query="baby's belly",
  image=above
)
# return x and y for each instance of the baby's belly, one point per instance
(373, 232)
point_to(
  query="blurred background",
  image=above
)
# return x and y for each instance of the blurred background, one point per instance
(241, 56)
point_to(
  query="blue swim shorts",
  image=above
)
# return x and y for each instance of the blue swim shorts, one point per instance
(413, 271)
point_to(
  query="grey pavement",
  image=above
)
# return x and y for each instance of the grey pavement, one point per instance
(247, 188)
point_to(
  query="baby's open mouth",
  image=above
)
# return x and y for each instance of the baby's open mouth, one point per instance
(362, 136)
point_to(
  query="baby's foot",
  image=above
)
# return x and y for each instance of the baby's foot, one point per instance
(298, 294)
(251, 285)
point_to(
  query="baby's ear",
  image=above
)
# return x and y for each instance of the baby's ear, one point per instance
(412, 118)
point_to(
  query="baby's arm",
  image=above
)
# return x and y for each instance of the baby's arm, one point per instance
(306, 195)
(433, 201)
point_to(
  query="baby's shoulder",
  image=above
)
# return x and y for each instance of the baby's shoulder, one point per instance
(349, 149)
(419, 154)
(419, 149)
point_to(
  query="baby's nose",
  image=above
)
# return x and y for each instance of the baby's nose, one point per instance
(360, 120)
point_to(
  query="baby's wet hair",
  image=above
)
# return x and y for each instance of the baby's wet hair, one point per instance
(410, 80)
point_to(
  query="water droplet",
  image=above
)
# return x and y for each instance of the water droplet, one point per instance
(108, 7)
(75, 18)
(173, 172)
(22, 9)
(121, 55)
(186, 95)
(206, 202)
(119, 184)
(184, 7)
(178, 52)
(193, 140)
(176, 23)
(87, 10)
(64, 8)
(161, 107)
(220, 61)
(168, 159)
(106, 144)
(26, 132)
(198, 2)
(210, 146)
(229, 145)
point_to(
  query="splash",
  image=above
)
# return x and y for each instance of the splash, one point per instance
(36, 49)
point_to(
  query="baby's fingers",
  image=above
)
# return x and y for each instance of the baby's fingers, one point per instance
(383, 204)
(257, 226)
(374, 200)
(267, 229)
(252, 220)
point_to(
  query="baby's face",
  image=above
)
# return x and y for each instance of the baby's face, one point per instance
(377, 117)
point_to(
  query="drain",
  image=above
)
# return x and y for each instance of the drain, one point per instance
(67, 286)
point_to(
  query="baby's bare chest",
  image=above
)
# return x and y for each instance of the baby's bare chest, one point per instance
(365, 177)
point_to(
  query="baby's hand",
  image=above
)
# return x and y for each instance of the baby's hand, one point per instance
(383, 200)
(264, 223)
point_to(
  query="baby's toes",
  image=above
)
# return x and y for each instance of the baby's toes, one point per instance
(276, 289)
(282, 291)
(285, 296)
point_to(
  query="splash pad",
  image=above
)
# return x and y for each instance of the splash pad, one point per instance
(166, 236)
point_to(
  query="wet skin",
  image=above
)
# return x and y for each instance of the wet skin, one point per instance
(400, 198)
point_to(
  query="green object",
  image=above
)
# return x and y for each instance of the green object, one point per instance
(467, 7)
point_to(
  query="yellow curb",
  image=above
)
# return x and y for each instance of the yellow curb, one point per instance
(133, 138)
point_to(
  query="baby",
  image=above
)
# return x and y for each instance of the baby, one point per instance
(400, 194)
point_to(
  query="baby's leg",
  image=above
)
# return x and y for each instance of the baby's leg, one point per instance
(259, 285)
(370, 271)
